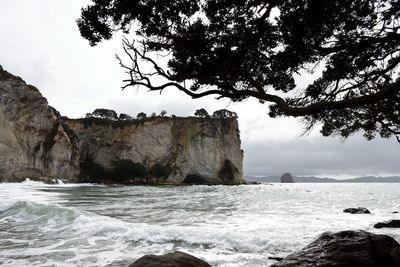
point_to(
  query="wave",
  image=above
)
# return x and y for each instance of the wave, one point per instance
(226, 226)
(87, 223)
(58, 182)
(83, 234)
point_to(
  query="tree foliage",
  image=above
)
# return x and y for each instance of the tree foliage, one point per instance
(103, 113)
(141, 116)
(255, 49)
(223, 113)
(201, 113)
(124, 117)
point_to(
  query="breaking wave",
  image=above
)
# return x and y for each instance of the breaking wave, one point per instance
(75, 225)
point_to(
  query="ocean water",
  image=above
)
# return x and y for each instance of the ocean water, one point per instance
(93, 225)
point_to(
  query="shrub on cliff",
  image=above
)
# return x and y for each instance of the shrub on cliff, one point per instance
(223, 113)
(103, 114)
(202, 113)
(124, 117)
(141, 116)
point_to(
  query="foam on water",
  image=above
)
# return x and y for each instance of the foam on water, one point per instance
(88, 225)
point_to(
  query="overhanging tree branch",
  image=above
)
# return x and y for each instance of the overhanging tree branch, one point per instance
(232, 49)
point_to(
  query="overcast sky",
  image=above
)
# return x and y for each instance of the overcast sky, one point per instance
(40, 42)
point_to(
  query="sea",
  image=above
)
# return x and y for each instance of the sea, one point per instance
(98, 225)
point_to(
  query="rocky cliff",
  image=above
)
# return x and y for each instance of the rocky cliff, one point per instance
(33, 142)
(36, 142)
(171, 150)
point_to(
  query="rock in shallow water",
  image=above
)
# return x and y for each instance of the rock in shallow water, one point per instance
(358, 210)
(175, 259)
(388, 224)
(347, 249)
(287, 178)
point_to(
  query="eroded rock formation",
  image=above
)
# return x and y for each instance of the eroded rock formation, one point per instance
(33, 140)
(36, 142)
(172, 150)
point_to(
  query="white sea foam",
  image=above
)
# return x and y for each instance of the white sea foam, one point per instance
(86, 225)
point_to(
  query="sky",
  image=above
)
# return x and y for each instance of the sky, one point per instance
(40, 42)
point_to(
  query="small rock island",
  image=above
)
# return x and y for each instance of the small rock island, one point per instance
(37, 142)
(287, 178)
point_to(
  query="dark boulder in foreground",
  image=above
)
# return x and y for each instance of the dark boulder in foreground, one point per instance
(358, 210)
(346, 249)
(175, 259)
(388, 224)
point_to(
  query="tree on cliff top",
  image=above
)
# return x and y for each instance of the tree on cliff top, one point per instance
(201, 113)
(103, 113)
(223, 113)
(254, 49)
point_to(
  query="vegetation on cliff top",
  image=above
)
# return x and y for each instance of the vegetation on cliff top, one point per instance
(109, 117)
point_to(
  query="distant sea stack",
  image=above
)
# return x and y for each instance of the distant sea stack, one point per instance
(36, 142)
(287, 178)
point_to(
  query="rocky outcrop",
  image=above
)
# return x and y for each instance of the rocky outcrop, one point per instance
(36, 142)
(33, 140)
(175, 259)
(388, 224)
(347, 248)
(358, 210)
(170, 150)
(287, 178)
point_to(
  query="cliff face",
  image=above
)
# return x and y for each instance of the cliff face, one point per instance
(172, 150)
(33, 142)
(36, 142)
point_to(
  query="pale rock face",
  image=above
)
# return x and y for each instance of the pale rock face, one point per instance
(204, 150)
(36, 142)
(32, 141)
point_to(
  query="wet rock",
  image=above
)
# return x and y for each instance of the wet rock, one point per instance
(287, 178)
(175, 259)
(358, 210)
(346, 249)
(388, 224)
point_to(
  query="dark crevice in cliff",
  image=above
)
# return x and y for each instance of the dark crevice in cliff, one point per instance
(74, 141)
(48, 143)
(228, 171)
(195, 179)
